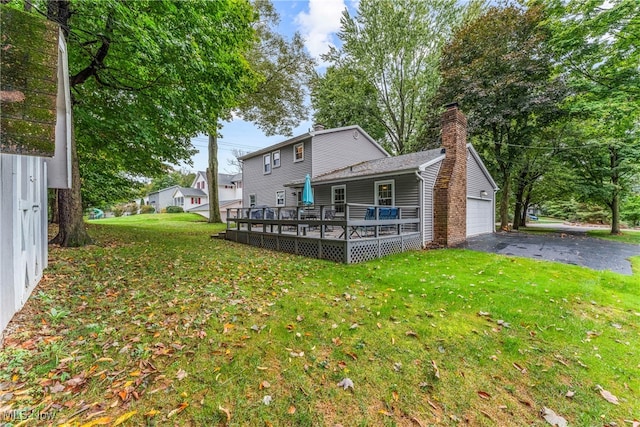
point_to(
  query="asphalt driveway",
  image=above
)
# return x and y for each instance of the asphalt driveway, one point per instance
(570, 246)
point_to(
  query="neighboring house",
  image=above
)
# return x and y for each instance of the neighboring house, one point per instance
(30, 162)
(162, 198)
(196, 198)
(267, 172)
(451, 186)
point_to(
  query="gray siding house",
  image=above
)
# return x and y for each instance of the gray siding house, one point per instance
(267, 172)
(442, 195)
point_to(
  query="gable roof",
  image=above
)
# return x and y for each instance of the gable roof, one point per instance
(223, 178)
(190, 192)
(310, 135)
(483, 168)
(162, 190)
(397, 164)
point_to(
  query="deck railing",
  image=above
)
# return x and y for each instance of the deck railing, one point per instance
(351, 220)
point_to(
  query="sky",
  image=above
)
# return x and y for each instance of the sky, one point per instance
(318, 21)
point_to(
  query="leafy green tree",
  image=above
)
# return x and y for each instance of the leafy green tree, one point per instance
(395, 48)
(344, 97)
(146, 76)
(276, 104)
(499, 68)
(596, 45)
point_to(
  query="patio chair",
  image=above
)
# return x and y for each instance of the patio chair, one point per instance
(329, 214)
(369, 215)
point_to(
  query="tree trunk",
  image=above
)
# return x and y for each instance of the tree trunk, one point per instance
(615, 180)
(212, 176)
(72, 231)
(504, 201)
(53, 202)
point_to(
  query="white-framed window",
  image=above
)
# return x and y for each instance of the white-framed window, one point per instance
(178, 201)
(338, 198)
(276, 159)
(298, 152)
(252, 200)
(266, 161)
(385, 193)
(280, 198)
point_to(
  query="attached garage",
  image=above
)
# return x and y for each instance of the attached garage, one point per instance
(479, 216)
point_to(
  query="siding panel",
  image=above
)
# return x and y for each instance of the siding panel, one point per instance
(336, 150)
(265, 186)
(429, 176)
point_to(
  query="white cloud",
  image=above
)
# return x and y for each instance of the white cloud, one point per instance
(319, 25)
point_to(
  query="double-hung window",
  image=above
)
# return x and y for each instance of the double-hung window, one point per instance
(298, 152)
(280, 198)
(276, 159)
(252, 200)
(338, 198)
(384, 192)
(266, 160)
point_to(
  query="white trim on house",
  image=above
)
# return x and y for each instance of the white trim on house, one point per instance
(333, 198)
(273, 159)
(266, 163)
(280, 198)
(376, 191)
(424, 167)
(295, 152)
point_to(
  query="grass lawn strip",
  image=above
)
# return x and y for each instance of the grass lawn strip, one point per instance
(160, 324)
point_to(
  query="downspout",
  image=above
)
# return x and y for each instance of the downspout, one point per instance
(422, 210)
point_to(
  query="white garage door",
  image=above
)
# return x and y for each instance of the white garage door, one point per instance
(479, 216)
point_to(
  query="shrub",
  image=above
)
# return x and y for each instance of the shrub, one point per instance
(174, 209)
(145, 209)
(117, 211)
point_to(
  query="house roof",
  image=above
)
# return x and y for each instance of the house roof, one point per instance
(191, 192)
(309, 135)
(223, 178)
(173, 187)
(406, 162)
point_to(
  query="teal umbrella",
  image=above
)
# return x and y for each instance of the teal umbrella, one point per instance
(307, 194)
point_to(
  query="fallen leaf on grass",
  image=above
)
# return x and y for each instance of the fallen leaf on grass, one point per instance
(384, 412)
(484, 394)
(98, 422)
(264, 384)
(291, 410)
(435, 369)
(346, 383)
(181, 374)
(395, 395)
(124, 417)
(552, 418)
(179, 409)
(267, 400)
(520, 368)
(570, 394)
(227, 328)
(411, 334)
(608, 396)
(227, 413)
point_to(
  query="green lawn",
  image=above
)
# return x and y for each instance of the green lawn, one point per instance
(163, 324)
(627, 236)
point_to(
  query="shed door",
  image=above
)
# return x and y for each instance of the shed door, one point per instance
(479, 216)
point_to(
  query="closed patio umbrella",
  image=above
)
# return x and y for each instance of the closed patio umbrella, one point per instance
(307, 194)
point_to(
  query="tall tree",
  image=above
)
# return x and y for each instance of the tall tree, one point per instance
(342, 97)
(597, 44)
(395, 46)
(499, 68)
(146, 76)
(277, 102)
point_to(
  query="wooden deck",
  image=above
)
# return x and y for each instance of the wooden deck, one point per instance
(321, 233)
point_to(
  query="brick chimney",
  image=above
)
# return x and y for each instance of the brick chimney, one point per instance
(450, 190)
